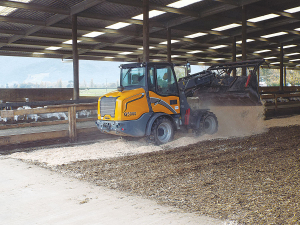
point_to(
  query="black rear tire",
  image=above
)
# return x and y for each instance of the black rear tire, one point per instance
(162, 131)
(209, 123)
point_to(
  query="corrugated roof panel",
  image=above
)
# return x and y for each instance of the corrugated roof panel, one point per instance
(108, 8)
(162, 2)
(61, 4)
(166, 17)
(3, 39)
(109, 38)
(2, 35)
(56, 31)
(93, 22)
(36, 41)
(204, 24)
(14, 26)
(30, 14)
(279, 4)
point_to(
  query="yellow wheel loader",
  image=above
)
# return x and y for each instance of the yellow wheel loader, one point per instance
(151, 102)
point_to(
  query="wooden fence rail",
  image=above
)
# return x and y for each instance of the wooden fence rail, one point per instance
(276, 89)
(280, 103)
(6, 138)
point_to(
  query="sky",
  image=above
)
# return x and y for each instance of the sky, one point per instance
(18, 70)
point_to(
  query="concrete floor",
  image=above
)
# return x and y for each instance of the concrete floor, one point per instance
(33, 195)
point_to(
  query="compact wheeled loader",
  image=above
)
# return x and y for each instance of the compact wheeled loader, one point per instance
(151, 102)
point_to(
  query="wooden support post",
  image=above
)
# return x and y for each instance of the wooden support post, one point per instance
(276, 102)
(146, 30)
(234, 54)
(169, 51)
(72, 124)
(281, 67)
(75, 59)
(244, 38)
(258, 74)
(285, 76)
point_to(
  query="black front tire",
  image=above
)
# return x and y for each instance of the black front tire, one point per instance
(162, 131)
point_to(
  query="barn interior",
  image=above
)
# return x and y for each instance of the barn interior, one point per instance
(199, 32)
(247, 173)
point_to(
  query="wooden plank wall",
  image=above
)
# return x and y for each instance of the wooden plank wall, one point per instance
(35, 94)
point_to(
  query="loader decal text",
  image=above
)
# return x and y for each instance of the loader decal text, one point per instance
(129, 113)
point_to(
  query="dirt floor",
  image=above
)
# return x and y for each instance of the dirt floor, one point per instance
(250, 179)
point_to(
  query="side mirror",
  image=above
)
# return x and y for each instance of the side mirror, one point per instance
(188, 69)
(120, 88)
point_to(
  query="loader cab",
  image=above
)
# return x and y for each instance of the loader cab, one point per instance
(156, 77)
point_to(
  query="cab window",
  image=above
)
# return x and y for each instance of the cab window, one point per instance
(133, 77)
(166, 83)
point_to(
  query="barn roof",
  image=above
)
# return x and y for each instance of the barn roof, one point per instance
(202, 32)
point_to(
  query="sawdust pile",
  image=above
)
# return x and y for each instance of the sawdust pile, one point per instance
(231, 123)
(252, 180)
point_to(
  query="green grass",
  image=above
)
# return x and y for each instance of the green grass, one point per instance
(95, 91)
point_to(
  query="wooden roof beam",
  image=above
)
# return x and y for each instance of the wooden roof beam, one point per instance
(110, 31)
(118, 19)
(22, 21)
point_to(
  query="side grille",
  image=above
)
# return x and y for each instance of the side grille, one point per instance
(107, 106)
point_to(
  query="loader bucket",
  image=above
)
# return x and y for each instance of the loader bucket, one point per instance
(236, 93)
(226, 90)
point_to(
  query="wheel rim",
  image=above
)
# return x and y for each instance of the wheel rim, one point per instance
(210, 125)
(164, 132)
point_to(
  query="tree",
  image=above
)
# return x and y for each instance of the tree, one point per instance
(84, 84)
(92, 83)
(59, 83)
(70, 84)
(293, 77)
(272, 77)
(42, 84)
